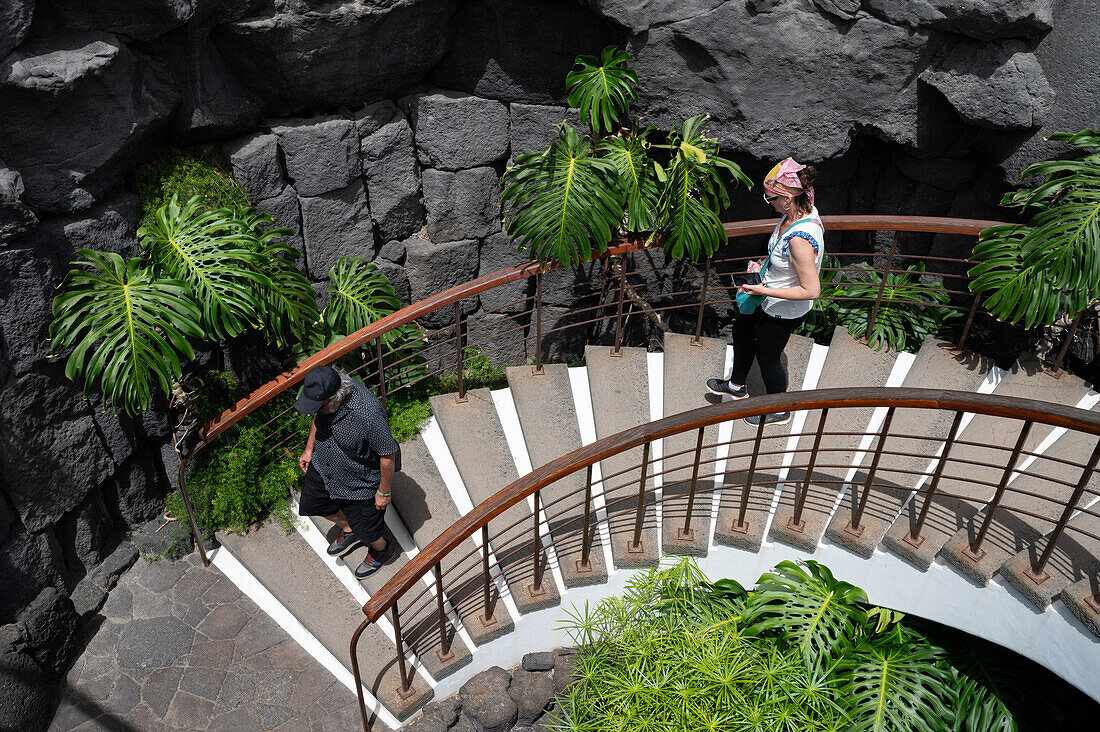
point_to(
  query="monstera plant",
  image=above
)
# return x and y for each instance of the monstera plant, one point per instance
(124, 326)
(566, 203)
(1032, 273)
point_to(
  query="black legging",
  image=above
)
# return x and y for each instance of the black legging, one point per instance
(762, 337)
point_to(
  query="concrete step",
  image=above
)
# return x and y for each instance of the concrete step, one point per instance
(293, 573)
(687, 366)
(850, 363)
(937, 366)
(484, 460)
(548, 420)
(990, 440)
(619, 387)
(769, 464)
(421, 499)
(420, 624)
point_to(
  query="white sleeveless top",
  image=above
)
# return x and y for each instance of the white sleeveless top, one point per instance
(781, 272)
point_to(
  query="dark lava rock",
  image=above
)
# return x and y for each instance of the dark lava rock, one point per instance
(432, 268)
(321, 154)
(51, 624)
(27, 695)
(564, 669)
(390, 170)
(137, 488)
(638, 16)
(485, 700)
(336, 224)
(27, 278)
(52, 452)
(15, 217)
(462, 205)
(393, 251)
(141, 21)
(543, 661)
(79, 111)
(255, 162)
(497, 252)
(520, 51)
(982, 19)
(534, 126)
(30, 563)
(154, 643)
(844, 9)
(398, 278)
(456, 131)
(15, 22)
(999, 85)
(336, 53)
(286, 211)
(532, 691)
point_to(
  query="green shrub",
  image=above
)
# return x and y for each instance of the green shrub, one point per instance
(186, 173)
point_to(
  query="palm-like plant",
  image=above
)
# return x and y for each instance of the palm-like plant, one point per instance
(1031, 273)
(908, 311)
(289, 304)
(565, 203)
(127, 328)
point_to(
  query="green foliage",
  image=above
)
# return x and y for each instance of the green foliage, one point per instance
(184, 174)
(909, 310)
(602, 88)
(288, 302)
(565, 204)
(127, 329)
(238, 481)
(210, 394)
(803, 651)
(1031, 273)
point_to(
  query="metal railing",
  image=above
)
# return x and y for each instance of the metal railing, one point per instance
(1043, 495)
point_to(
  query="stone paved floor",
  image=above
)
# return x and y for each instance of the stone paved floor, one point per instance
(178, 647)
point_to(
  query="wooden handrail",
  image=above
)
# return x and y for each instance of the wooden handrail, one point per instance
(1055, 415)
(291, 377)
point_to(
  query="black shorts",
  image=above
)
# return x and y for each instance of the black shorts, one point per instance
(364, 518)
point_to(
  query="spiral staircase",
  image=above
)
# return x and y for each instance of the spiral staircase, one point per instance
(517, 504)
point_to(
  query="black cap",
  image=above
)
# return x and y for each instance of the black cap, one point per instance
(320, 384)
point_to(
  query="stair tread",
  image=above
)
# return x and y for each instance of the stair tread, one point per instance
(936, 366)
(484, 460)
(687, 366)
(619, 387)
(548, 421)
(989, 440)
(293, 573)
(426, 508)
(847, 357)
(796, 359)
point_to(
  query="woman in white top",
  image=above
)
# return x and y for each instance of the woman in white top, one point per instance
(790, 284)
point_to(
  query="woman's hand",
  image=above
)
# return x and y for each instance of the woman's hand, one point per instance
(381, 501)
(755, 289)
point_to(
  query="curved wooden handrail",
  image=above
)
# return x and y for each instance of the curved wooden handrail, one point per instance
(1040, 412)
(291, 377)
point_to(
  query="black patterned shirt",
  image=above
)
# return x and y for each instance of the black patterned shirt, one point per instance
(348, 444)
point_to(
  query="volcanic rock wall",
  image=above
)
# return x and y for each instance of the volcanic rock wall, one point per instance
(379, 129)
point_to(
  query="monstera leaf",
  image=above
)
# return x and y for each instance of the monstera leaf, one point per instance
(807, 606)
(127, 328)
(214, 253)
(1031, 273)
(562, 205)
(602, 88)
(637, 176)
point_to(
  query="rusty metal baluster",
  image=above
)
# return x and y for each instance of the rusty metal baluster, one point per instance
(536, 589)
(488, 618)
(187, 505)
(686, 533)
(854, 527)
(444, 653)
(461, 397)
(974, 550)
(698, 339)
(882, 285)
(635, 547)
(538, 324)
(914, 538)
(354, 652)
(1037, 572)
(740, 526)
(583, 564)
(405, 690)
(617, 350)
(381, 371)
(795, 522)
(1056, 370)
(969, 322)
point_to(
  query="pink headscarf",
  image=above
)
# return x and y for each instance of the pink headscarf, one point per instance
(782, 180)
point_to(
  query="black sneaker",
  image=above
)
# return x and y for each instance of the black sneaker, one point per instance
(773, 418)
(372, 563)
(344, 543)
(721, 387)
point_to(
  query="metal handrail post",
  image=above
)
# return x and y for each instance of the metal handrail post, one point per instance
(739, 525)
(854, 527)
(617, 350)
(381, 372)
(914, 538)
(187, 505)
(583, 565)
(1056, 370)
(685, 533)
(974, 549)
(882, 285)
(1037, 572)
(635, 546)
(697, 340)
(461, 397)
(538, 323)
(795, 522)
(354, 652)
(405, 690)
(536, 587)
(445, 653)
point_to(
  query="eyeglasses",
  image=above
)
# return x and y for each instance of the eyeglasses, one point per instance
(770, 199)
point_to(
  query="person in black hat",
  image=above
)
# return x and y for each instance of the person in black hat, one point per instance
(349, 460)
